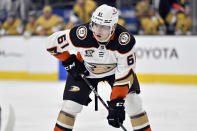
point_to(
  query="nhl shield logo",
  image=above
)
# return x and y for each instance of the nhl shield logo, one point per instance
(81, 32)
(124, 38)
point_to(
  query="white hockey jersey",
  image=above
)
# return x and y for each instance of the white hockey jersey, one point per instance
(101, 59)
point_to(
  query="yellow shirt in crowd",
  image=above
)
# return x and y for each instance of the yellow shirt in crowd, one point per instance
(183, 23)
(48, 24)
(150, 26)
(14, 29)
(31, 28)
(83, 13)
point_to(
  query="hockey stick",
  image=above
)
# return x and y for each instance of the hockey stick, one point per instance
(11, 119)
(0, 117)
(98, 96)
(9, 123)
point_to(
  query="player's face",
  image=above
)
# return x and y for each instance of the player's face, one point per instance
(101, 32)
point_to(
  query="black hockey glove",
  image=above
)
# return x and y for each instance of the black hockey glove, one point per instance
(74, 67)
(116, 112)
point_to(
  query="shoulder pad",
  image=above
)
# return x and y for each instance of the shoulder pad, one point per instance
(81, 32)
(82, 36)
(123, 41)
(124, 38)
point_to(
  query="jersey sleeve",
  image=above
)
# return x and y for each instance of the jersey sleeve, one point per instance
(124, 74)
(59, 45)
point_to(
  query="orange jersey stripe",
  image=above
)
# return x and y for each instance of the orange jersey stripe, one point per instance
(112, 37)
(79, 57)
(119, 91)
(63, 56)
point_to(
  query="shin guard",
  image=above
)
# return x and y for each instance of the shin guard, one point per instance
(66, 118)
(140, 122)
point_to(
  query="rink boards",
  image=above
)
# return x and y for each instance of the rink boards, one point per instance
(166, 59)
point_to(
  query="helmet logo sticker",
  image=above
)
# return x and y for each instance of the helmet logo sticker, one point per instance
(124, 38)
(114, 11)
(81, 32)
(100, 14)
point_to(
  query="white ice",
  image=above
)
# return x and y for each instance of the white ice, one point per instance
(36, 106)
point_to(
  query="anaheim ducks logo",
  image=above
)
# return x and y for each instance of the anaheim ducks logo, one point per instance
(81, 32)
(124, 38)
(74, 88)
(100, 68)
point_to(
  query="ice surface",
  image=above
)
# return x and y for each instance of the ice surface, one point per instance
(36, 106)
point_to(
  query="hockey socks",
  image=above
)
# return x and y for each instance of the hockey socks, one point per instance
(60, 128)
(65, 122)
(140, 122)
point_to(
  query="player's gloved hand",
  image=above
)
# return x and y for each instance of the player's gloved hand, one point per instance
(116, 112)
(75, 67)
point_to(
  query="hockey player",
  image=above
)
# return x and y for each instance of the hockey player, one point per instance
(105, 52)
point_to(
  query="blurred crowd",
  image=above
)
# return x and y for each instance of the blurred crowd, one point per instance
(173, 17)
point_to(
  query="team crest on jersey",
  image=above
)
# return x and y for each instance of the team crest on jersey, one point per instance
(88, 53)
(100, 68)
(81, 32)
(124, 38)
(74, 89)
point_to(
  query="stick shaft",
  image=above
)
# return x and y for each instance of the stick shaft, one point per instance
(101, 100)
